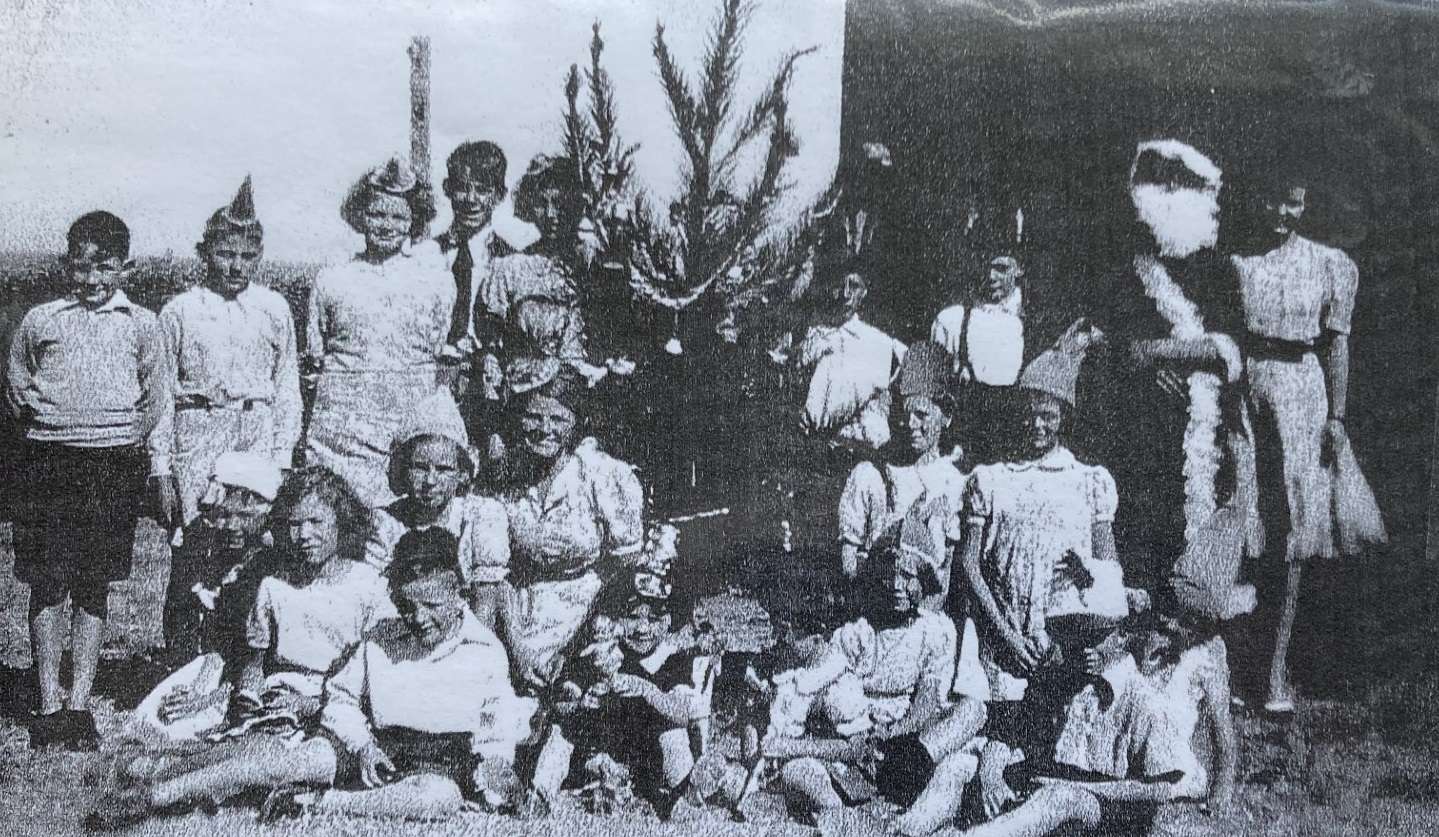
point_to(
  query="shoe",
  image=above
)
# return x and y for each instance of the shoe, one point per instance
(119, 810)
(48, 730)
(283, 804)
(81, 735)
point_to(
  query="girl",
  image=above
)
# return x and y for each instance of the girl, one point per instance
(377, 325)
(303, 621)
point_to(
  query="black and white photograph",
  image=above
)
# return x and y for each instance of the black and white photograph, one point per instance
(719, 418)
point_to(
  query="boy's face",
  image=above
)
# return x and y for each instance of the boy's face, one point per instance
(906, 589)
(434, 475)
(643, 628)
(431, 606)
(471, 201)
(236, 517)
(230, 263)
(1003, 276)
(95, 276)
(313, 530)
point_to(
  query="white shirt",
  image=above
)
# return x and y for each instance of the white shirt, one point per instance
(853, 364)
(308, 628)
(994, 344)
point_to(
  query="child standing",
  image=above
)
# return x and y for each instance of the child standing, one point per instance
(87, 385)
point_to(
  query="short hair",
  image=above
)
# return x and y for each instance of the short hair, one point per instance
(352, 518)
(479, 160)
(220, 226)
(420, 198)
(545, 172)
(402, 453)
(104, 230)
(420, 553)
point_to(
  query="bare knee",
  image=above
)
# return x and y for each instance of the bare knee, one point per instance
(1081, 806)
(434, 793)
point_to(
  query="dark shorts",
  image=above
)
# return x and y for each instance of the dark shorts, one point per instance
(75, 519)
(413, 754)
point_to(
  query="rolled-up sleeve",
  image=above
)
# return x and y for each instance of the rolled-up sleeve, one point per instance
(343, 714)
(861, 505)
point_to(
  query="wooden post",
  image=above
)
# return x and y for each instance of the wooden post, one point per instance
(420, 107)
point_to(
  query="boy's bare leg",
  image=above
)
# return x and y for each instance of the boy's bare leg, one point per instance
(1046, 811)
(47, 641)
(84, 656)
(258, 761)
(939, 802)
(428, 796)
(678, 758)
(552, 765)
(807, 785)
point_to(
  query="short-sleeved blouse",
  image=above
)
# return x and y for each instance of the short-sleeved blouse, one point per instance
(308, 628)
(388, 317)
(478, 523)
(896, 662)
(872, 501)
(1033, 514)
(520, 275)
(593, 507)
(1297, 290)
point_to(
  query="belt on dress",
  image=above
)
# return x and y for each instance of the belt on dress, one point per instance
(201, 402)
(1286, 351)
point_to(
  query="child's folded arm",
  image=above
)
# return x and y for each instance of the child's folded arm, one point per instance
(342, 714)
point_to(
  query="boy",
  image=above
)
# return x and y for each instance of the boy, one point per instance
(474, 184)
(212, 589)
(231, 346)
(651, 693)
(87, 383)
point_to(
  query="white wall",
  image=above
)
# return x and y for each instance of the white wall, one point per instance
(156, 109)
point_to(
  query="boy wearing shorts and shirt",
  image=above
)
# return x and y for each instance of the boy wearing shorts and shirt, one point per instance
(87, 385)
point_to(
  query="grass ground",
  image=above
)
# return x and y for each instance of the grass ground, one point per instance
(1358, 766)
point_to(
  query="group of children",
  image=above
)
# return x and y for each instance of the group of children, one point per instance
(987, 667)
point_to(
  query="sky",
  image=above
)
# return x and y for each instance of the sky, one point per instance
(157, 109)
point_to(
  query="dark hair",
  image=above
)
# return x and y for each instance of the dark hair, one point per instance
(545, 172)
(219, 226)
(352, 519)
(420, 199)
(480, 160)
(402, 454)
(421, 553)
(103, 229)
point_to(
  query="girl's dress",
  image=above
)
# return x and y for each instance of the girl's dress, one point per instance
(1292, 296)
(1032, 514)
(376, 332)
(558, 533)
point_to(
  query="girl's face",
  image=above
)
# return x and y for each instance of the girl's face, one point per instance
(387, 223)
(230, 263)
(906, 589)
(926, 422)
(551, 211)
(313, 530)
(434, 474)
(547, 426)
(1042, 422)
(431, 607)
(643, 628)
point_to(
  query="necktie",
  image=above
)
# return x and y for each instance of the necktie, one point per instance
(463, 269)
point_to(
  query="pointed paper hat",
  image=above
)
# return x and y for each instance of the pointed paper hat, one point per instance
(925, 371)
(394, 177)
(1056, 369)
(239, 216)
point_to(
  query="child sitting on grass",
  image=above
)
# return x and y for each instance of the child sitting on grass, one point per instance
(421, 716)
(639, 699)
(87, 384)
(214, 578)
(304, 620)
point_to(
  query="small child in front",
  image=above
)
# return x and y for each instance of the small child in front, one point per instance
(87, 385)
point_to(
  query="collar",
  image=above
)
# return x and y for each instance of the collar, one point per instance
(470, 632)
(1012, 303)
(1058, 459)
(239, 297)
(118, 302)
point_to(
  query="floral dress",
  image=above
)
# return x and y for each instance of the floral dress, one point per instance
(592, 508)
(377, 332)
(1032, 513)
(1292, 295)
